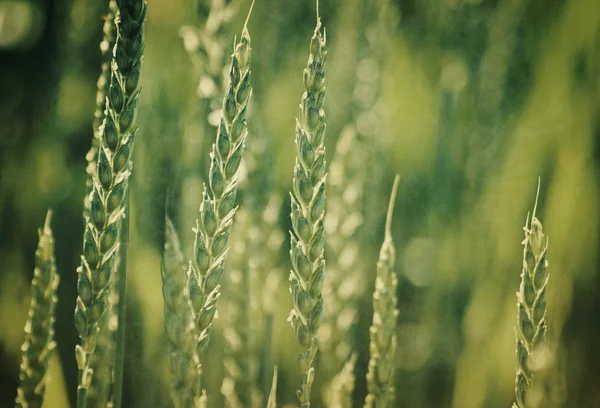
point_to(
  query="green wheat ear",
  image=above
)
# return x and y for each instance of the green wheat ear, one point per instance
(39, 328)
(308, 211)
(101, 243)
(380, 377)
(218, 205)
(531, 303)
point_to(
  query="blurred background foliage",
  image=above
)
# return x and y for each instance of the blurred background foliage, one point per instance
(478, 98)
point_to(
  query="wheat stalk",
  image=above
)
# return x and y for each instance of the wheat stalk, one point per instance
(531, 303)
(39, 329)
(380, 377)
(110, 187)
(179, 324)
(308, 211)
(218, 202)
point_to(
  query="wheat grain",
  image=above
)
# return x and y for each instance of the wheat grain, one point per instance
(531, 303)
(307, 213)
(380, 377)
(110, 187)
(39, 329)
(218, 201)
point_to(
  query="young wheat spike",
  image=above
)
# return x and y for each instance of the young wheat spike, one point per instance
(307, 213)
(101, 361)
(380, 377)
(218, 202)
(110, 187)
(39, 328)
(179, 324)
(531, 302)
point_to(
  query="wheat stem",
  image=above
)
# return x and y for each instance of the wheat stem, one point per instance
(39, 329)
(110, 189)
(531, 303)
(307, 213)
(380, 376)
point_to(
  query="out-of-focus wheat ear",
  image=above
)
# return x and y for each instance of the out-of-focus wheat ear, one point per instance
(207, 46)
(218, 206)
(179, 324)
(272, 402)
(101, 243)
(307, 214)
(380, 375)
(341, 389)
(203, 400)
(345, 279)
(39, 329)
(531, 303)
(240, 360)
(106, 47)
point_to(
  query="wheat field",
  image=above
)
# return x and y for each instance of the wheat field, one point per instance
(196, 205)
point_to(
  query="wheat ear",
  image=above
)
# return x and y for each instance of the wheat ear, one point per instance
(110, 187)
(380, 377)
(345, 268)
(531, 303)
(240, 362)
(218, 201)
(341, 389)
(308, 211)
(101, 362)
(39, 329)
(179, 324)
